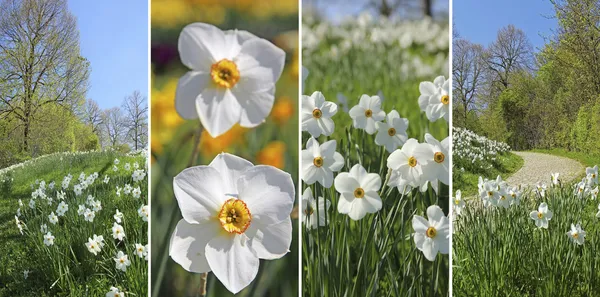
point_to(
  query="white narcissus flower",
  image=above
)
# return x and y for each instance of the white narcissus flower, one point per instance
(409, 162)
(232, 78)
(48, 239)
(311, 208)
(367, 113)
(540, 189)
(489, 194)
(515, 193)
(118, 216)
(53, 218)
(438, 164)
(504, 199)
(358, 192)
(581, 189)
(93, 246)
(541, 216)
(25, 274)
(392, 133)
(62, 209)
(31, 203)
(598, 213)
(43, 228)
(592, 173)
(116, 162)
(458, 203)
(118, 232)
(140, 250)
(576, 234)
(431, 234)
(594, 193)
(89, 215)
(435, 99)
(99, 240)
(554, 178)
(121, 261)
(115, 292)
(144, 213)
(319, 161)
(234, 213)
(81, 210)
(316, 115)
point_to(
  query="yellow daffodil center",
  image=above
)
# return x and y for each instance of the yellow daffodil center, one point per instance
(431, 232)
(593, 175)
(502, 197)
(318, 161)
(359, 193)
(412, 162)
(490, 193)
(513, 195)
(368, 113)
(575, 235)
(445, 99)
(456, 201)
(391, 131)
(439, 157)
(122, 260)
(540, 215)
(225, 73)
(309, 210)
(235, 216)
(317, 113)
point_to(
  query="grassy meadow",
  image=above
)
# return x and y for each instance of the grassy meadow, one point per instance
(376, 255)
(67, 267)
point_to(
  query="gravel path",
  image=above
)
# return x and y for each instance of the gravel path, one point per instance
(538, 167)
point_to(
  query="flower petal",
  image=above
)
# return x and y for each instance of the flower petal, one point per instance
(271, 241)
(232, 261)
(189, 88)
(267, 55)
(188, 242)
(218, 109)
(201, 45)
(199, 193)
(344, 183)
(231, 167)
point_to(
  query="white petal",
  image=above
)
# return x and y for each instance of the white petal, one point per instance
(189, 88)
(430, 249)
(218, 109)
(434, 213)
(199, 193)
(326, 125)
(232, 261)
(345, 203)
(268, 192)
(371, 182)
(267, 55)
(188, 242)
(344, 183)
(200, 45)
(272, 241)
(256, 106)
(338, 162)
(420, 224)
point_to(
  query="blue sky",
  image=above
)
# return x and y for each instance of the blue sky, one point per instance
(338, 10)
(114, 38)
(480, 20)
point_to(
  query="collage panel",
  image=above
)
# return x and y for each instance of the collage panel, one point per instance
(375, 149)
(526, 148)
(224, 130)
(73, 148)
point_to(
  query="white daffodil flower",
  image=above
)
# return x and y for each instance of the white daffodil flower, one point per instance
(489, 194)
(458, 203)
(232, 78)
(594, 193)
(515, 193)
(319, 161)
(62, 209)
(438, 165)
(136, 193)
(140, 250)
(53, 218)
(43, 228)
(81, 210)
(592, 174)
(581, 189)
(144, 213)
(89, 215)
(392, 133)
(367, 113)
(93, 246)
(127, 166)
(48, 239)
(435, 99)
(541, 216)
(234, 213)
(114, 292)
(25, 274)
(410, 160)
(576, 234)
(540, 189)
(31, 203)
(118, 216)
(598, 213)
(358, 192)
(554, 178)
(311, 208)
(504, 199)
(316, 115)
(432, 235)
(106, 179)
(118, 232)
(121, 261)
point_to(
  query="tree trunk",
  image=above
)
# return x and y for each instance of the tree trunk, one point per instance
(427, 8)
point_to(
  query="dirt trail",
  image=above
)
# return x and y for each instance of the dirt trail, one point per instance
(538, 167)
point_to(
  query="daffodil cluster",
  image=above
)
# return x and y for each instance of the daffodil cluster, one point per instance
(474, 152)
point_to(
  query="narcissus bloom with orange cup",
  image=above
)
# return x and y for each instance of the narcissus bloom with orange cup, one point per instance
(234, 213)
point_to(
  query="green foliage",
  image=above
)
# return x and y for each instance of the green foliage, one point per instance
(500, 252)
(504, 165)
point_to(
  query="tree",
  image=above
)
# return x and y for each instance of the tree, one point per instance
(41, 63)
(115, 126)
(468, 65)
(136, 114)
(511, 52)
(92, 115)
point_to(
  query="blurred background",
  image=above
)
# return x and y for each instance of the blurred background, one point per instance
(174, 140)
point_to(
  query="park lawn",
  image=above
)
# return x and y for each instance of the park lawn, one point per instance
(74, 270)
(505, 165)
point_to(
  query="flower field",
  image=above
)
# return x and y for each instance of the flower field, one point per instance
(374, 159)
(540, 241)
(75, 224)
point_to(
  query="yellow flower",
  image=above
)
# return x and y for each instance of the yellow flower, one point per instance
(210, 147)
(164, 117)
(283, 110)
(272, 154)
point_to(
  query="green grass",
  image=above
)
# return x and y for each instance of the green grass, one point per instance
(375, 256)
(67, 268)
(505, 165)
(500, 252)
